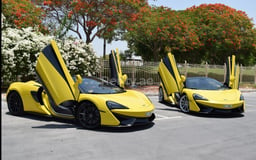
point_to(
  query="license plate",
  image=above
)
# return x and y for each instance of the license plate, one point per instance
(227, 106)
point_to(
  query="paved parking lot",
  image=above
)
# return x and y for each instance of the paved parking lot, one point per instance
(174, 135)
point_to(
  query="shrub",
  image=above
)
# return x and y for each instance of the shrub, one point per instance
(80, 57)
(20, 48)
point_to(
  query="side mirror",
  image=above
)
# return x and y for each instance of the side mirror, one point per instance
(124, 77)
(78, 79)
(231, 81)
(183, 78)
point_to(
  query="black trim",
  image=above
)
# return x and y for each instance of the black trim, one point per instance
(39, 95)
(132, 121)
(163, 83)
(168, 65)
(50, 54)
(227, 72)
(209, 109)
(34, 95)
(113, 69)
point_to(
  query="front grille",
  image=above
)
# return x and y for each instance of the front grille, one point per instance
(208, 109)
(130, 121)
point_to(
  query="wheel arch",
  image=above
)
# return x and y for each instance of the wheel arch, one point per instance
(17, 90)
(187, 93)
(192, 103)
(11, 91)
(18, 111)
(16, 86)
(107, 117)
(82, 121)
(94, 101)
(83, 101)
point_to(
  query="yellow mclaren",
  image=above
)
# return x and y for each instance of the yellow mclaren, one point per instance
(91, 101)
(200, 94)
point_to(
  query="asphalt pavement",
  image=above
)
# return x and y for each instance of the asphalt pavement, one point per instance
(173, 135)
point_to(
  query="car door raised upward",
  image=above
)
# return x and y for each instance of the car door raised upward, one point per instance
(55, 77)
(169, 75)
(232, 73)
(116, 70)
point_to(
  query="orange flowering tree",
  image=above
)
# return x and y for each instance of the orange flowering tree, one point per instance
(22, 14)
(160, 30)
(198, 34)
(89, 18)
(223, 31)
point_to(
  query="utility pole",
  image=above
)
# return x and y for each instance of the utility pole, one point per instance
(104, 48)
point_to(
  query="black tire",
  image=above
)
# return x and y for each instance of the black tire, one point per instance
(88, 115)
(184, 103)
(161, 95)
(15, 104)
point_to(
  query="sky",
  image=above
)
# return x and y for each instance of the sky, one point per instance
(248, 6)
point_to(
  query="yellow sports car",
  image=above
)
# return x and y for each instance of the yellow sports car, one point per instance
(91, 101)
(200, 94)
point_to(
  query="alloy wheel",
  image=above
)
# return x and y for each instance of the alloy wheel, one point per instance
(184, 104)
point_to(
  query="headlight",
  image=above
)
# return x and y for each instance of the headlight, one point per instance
(199, 97)
(114, 105)
(241, 97)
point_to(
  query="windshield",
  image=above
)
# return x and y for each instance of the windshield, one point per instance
(98, 86)
(204, 83)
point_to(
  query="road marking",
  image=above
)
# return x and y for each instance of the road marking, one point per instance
(162, 117)
(246, 105)
(249, 110)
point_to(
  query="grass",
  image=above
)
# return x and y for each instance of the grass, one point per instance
(214, 71)
(211, 69)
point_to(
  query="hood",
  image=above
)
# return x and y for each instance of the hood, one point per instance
(131, 99)
(220, 95)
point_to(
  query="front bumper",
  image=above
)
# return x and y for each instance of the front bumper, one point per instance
(210, 109)
(132, 121)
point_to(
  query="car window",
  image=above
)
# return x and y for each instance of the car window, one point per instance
(98, 86)
(204, 83)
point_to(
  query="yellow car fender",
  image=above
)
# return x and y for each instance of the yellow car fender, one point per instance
(29, 104)
(192, 104)
(107, 117)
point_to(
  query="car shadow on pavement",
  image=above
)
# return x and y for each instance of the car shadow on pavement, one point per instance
(124, 129)
(59, 123)
(55, 123)
(216, 115)
(204, 115)
(170, 109)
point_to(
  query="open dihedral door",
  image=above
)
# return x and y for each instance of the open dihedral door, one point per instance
(115, 68)
(232, 73)
(169, 75)
(55, 77)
